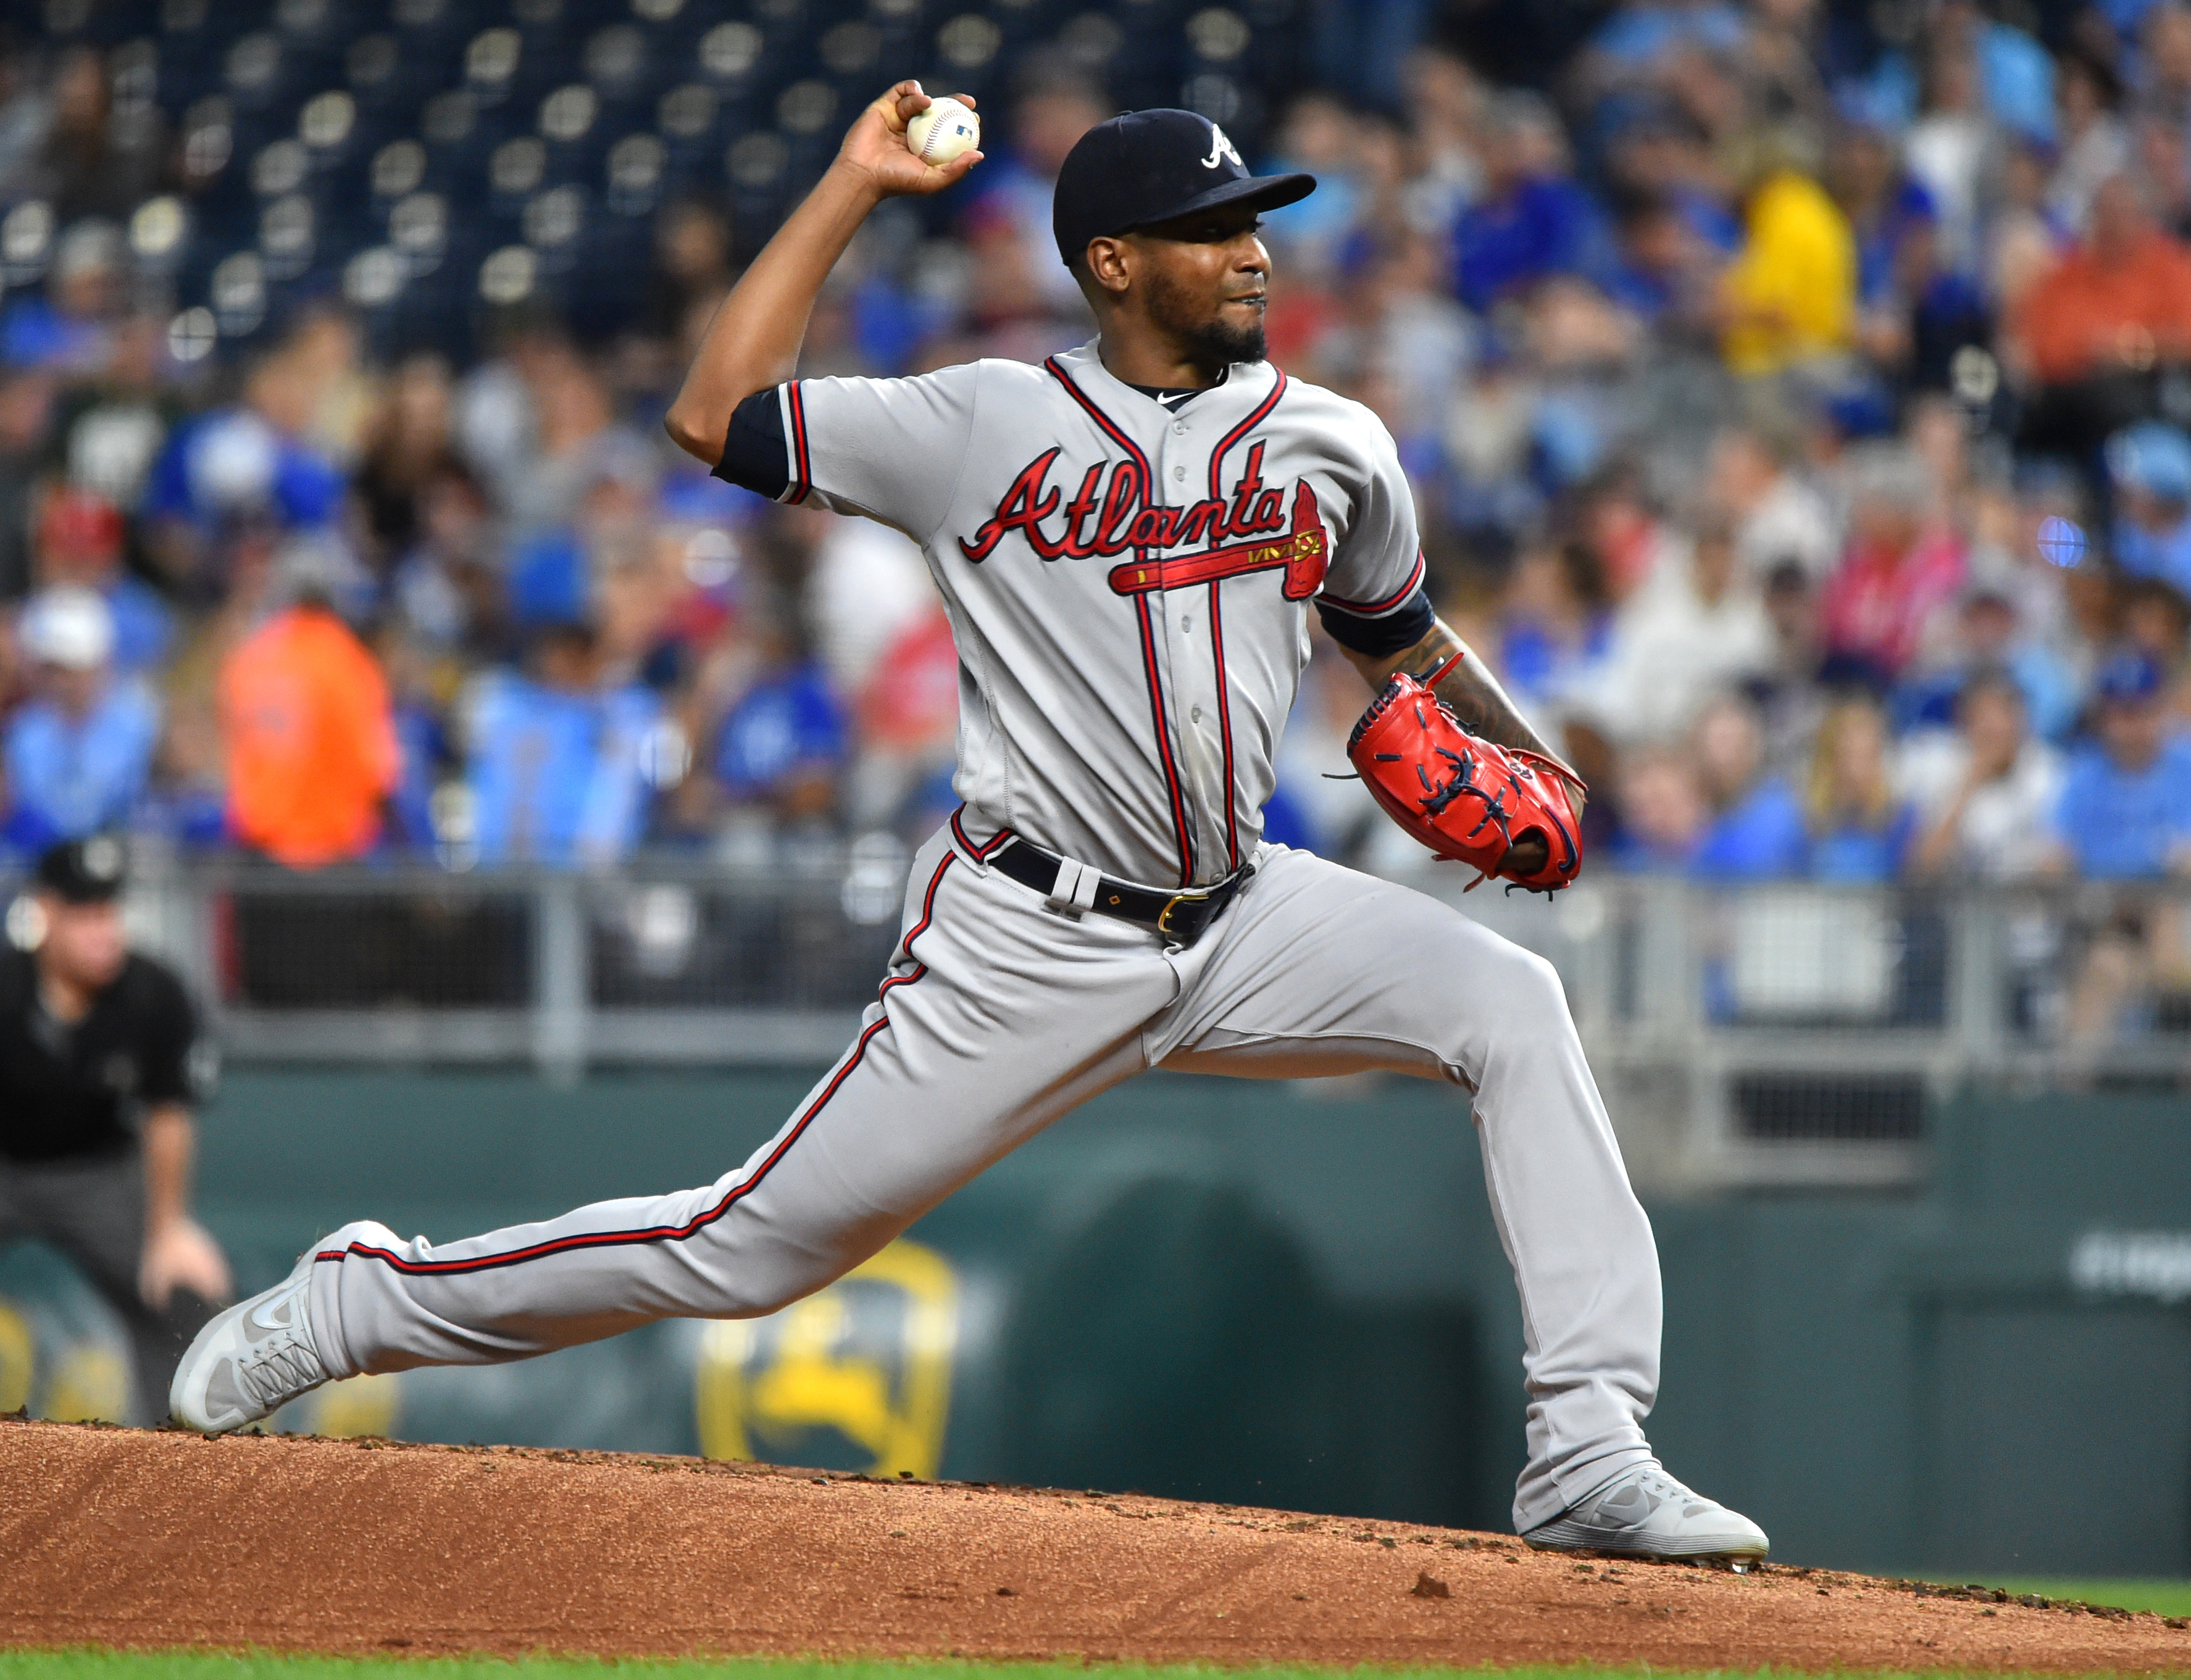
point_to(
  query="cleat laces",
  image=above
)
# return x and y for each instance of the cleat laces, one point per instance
(283, 1365)
(275, 1374)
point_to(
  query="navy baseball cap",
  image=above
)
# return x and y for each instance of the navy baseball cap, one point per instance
(88, 870)
(1150, 166)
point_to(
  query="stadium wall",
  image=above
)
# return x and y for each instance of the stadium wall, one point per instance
(1292, 1294)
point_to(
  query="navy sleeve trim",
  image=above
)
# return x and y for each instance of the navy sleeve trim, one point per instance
(753, 455)
(1381, 636)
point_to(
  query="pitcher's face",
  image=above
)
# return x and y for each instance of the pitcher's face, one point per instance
(1205, 280)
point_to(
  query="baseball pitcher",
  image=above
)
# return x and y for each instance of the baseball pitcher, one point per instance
(1128, 539)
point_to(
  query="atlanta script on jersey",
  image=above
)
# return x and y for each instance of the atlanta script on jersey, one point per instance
(1126, 585)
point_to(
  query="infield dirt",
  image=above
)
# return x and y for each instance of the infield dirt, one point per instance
(121, 1537)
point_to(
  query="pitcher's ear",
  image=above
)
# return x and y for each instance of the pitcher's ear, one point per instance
(1106, 265)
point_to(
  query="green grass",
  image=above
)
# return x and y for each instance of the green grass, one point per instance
(2166, 1597)
(104, 1664)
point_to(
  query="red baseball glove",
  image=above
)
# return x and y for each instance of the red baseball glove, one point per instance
(1466, 798)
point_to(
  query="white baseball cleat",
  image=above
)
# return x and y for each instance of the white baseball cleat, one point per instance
(250, 1360)
(1647, 1513)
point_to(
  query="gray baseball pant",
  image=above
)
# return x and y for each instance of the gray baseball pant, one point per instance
(999, 1016)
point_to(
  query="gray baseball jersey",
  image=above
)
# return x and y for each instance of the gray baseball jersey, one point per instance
(1127, 585)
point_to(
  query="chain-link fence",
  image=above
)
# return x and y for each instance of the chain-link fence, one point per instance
(1758, 1034)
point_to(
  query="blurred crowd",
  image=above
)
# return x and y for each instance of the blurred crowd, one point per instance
(1796, 407)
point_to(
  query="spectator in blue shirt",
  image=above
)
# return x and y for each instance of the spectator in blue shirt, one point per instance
(1558, 623)
(784, 742)
(80, 540)
(558, 756)
(2015, 72)
(1534, 221)
(238, 468)
(1859, 830)
(1988, 637)
(1886, 207)
(2125, 807)
(1915, 308)
(67, 328)
(1758, 832)
(2151, 465)
(1662, 812)
(1656, 267)
(79, 754)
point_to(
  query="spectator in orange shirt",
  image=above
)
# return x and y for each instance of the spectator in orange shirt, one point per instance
(2097, 329)
(311, 739)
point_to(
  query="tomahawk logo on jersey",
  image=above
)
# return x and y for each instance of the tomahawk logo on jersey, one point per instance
(1127, 581)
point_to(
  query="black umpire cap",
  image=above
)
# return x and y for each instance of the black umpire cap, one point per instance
(1148, 166)
(89, 871)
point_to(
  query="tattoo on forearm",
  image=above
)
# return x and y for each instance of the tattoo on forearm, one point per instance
(1472, 694)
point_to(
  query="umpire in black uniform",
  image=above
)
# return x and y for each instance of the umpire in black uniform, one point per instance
(98, 1067)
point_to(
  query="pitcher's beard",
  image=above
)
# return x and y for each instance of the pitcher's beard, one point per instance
(1224, 344)
(1207, 339)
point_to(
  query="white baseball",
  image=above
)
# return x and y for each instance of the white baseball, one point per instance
(943, 132)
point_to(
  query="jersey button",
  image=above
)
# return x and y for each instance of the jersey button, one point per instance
(1179, 471)
(1179, 427)
(1196, 714)
(1187, 622)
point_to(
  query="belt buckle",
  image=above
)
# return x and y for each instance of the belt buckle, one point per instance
(1202, 896)
(1163, 916)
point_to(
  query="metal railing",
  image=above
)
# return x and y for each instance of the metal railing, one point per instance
(666, 963)
(1795, 1033)
(1769, 1033)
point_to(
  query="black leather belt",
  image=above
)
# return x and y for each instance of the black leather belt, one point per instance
(1180, 917)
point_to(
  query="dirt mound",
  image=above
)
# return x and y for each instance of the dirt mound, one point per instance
(120, 1537)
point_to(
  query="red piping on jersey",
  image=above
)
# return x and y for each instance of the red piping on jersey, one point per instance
(979, 853)
(698, 1222)
(1164, 741)
(1225, 443)
(804, 481)
(1110, 427)
(1224, 717)
(1148, 637)
(1371, 608)
(1261, 412)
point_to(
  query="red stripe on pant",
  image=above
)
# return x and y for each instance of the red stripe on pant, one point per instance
(571, 1244)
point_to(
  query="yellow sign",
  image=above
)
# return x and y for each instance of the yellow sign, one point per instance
(89, 1384)
(19, 1359)
(356, 1406)
(868, 1359)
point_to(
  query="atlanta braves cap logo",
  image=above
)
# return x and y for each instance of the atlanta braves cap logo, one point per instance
(1150, 166)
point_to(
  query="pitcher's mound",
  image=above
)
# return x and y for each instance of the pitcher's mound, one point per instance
(126, 1538)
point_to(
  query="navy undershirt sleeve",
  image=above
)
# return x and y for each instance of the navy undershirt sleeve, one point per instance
(754, 456)
(1380, 638)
